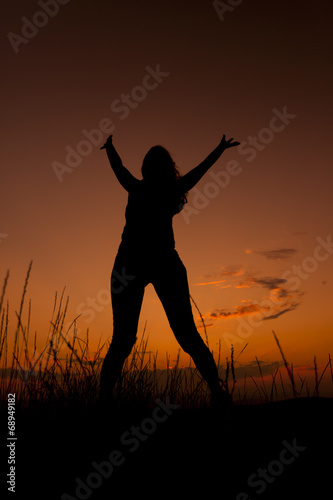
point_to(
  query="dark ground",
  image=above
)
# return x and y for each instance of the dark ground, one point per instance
(191, 452)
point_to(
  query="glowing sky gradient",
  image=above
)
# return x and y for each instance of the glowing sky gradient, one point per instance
(247, 228)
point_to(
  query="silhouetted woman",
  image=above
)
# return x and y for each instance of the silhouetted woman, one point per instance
(147, 255)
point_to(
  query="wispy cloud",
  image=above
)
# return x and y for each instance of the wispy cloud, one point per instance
(280, 253)
(225, 278)
(292, 307)
(276, 299)
(222, 276)
(268, 282)
(217, 282)
(242, 310)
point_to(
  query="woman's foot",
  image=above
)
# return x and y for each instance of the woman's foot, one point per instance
(221, 400)
(105, 405)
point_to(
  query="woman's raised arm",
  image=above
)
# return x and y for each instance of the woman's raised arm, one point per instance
(126, 179)
(189, 180)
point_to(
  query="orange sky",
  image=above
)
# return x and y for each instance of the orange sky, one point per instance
(255, 236)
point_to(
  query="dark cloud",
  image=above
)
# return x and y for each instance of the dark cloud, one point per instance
(276, 301)
(279, 302)
(281, 253)
(269, 282)
(239, 311)
(282, 293)
(292, 307)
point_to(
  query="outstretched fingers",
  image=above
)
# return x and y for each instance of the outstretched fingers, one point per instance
(228, 143)
(107, 143)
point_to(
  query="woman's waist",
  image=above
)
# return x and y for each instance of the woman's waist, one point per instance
(147, 242)
(140, 251)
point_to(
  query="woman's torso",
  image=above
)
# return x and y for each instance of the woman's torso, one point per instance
(148, 230)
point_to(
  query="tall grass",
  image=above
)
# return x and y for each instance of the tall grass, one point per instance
(65, 373)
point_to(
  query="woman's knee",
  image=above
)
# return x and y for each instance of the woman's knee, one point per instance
(121, 345)
(191, 342)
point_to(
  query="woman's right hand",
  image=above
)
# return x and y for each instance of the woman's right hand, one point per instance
(107, 143)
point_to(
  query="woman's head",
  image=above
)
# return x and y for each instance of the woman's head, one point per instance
(158, 165)
(159, 168)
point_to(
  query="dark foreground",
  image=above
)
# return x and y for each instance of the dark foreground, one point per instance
(279, 450)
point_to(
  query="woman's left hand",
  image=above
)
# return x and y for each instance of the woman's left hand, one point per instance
(228, 144)
(107, 143)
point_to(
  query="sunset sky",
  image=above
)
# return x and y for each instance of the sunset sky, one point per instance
(256, 236)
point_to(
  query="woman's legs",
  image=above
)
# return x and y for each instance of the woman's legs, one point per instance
(171, 285)
(169, 279)
(126, 305)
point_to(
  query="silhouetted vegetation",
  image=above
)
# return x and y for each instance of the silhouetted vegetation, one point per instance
(66, 372)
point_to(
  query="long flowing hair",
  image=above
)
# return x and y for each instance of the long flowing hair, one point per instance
(159, 167)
